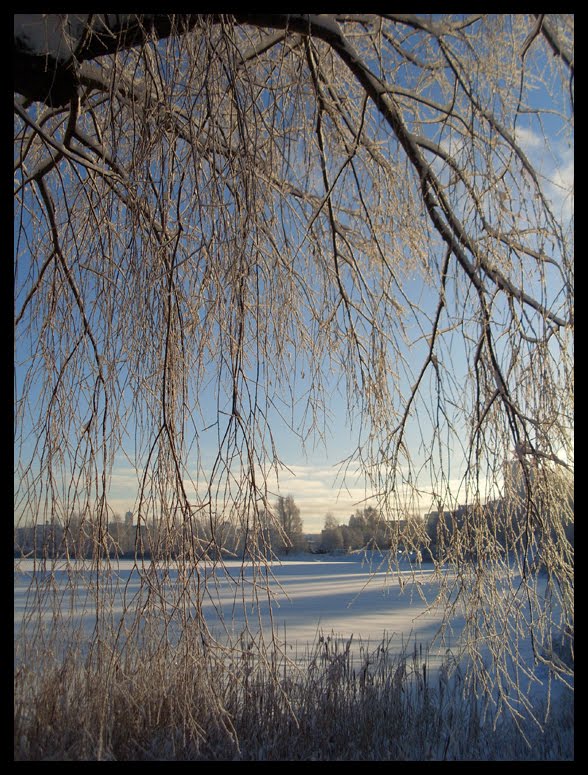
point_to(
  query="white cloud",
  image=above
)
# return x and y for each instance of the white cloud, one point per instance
(554, 160)
(317, 490)
(561, 189)
(528, 139)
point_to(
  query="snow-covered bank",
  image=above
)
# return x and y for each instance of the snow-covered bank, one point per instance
(340, 596)
(317, 603)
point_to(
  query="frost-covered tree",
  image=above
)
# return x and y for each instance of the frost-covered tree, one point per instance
(331, 535)
(218, 217)
(291, 538)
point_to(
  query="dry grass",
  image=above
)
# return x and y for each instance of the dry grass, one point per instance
(343, 703)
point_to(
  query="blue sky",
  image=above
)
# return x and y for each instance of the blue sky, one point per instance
(311, 473)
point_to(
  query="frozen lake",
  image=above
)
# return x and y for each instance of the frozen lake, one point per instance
(347, 596)
(308, 596)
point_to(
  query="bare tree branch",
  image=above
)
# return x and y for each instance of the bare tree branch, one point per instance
(229, 226)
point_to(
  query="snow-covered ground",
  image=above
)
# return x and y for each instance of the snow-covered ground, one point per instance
(310, 595)
(347, 595)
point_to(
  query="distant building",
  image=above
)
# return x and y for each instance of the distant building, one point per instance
(129, 518)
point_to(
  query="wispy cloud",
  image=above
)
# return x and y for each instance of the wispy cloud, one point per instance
(555, 161)
(528, 139)
(316, 489)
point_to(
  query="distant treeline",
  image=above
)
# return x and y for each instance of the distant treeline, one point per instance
(480, 529)
(167, 537)
(474, 530)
